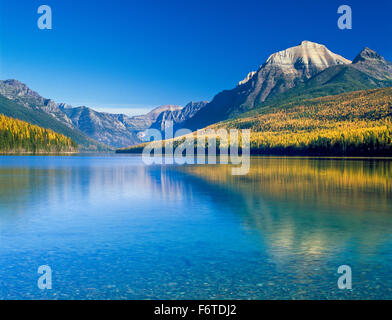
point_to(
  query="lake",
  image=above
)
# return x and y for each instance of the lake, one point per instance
(111, 227)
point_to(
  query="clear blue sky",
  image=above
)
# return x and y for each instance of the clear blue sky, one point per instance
(149, 53)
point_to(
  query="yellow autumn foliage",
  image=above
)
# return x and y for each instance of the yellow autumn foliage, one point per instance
(21, 136)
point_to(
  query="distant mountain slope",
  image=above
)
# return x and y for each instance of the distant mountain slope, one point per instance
(110, 129)
(282, 71)
(19, 136)
(362, 74)
(105, 128)
(116, 130)
(349, 124)
(355, 123)
(40, 118)
(179, 116)
(303, 72)
(23, 95)
(370, 62)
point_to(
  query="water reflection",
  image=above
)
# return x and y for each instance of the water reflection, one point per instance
(197, 231)
(312, 214)
(282, 197)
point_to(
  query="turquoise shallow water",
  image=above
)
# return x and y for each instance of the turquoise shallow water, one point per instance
(112, 228)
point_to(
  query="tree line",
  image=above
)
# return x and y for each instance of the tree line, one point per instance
(21, 136)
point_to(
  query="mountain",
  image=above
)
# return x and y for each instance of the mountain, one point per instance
(40, 118)
(362, 74)
(191, 109)
(155, 113)
(179, 116)
(282, 71)
(371, 63)
(23, 95)
(354, 123)
(351, 124)
(302, 72)
(116, 130)
(110, 129)
(105, 128)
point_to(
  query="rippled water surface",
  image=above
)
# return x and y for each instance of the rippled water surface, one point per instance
(112, 228)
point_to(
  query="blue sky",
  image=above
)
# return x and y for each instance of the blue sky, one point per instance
(140, 54)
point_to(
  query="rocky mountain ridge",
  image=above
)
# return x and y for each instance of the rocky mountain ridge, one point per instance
(301, 72)
(294, 69)
(116, 130)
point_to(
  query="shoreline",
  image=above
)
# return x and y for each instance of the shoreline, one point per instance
(37, 153)
(331, 157)
(254, 156)
(288, 155)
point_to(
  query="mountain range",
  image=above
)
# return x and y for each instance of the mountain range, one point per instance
(305, 71)
(179, 116)
(92, 129)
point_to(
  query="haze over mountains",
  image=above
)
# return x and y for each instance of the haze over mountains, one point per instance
(305, 71)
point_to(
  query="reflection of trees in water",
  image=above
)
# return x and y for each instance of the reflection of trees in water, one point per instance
(20, 187)
(300, 207)
(309, 208)
(363, 185)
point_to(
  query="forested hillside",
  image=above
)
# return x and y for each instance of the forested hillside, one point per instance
(332, 81)
(350, 124)
(20, 136)
(40, 118)
(357, 123)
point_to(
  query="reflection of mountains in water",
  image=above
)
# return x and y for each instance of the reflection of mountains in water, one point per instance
(68, 182)
(80, 180)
